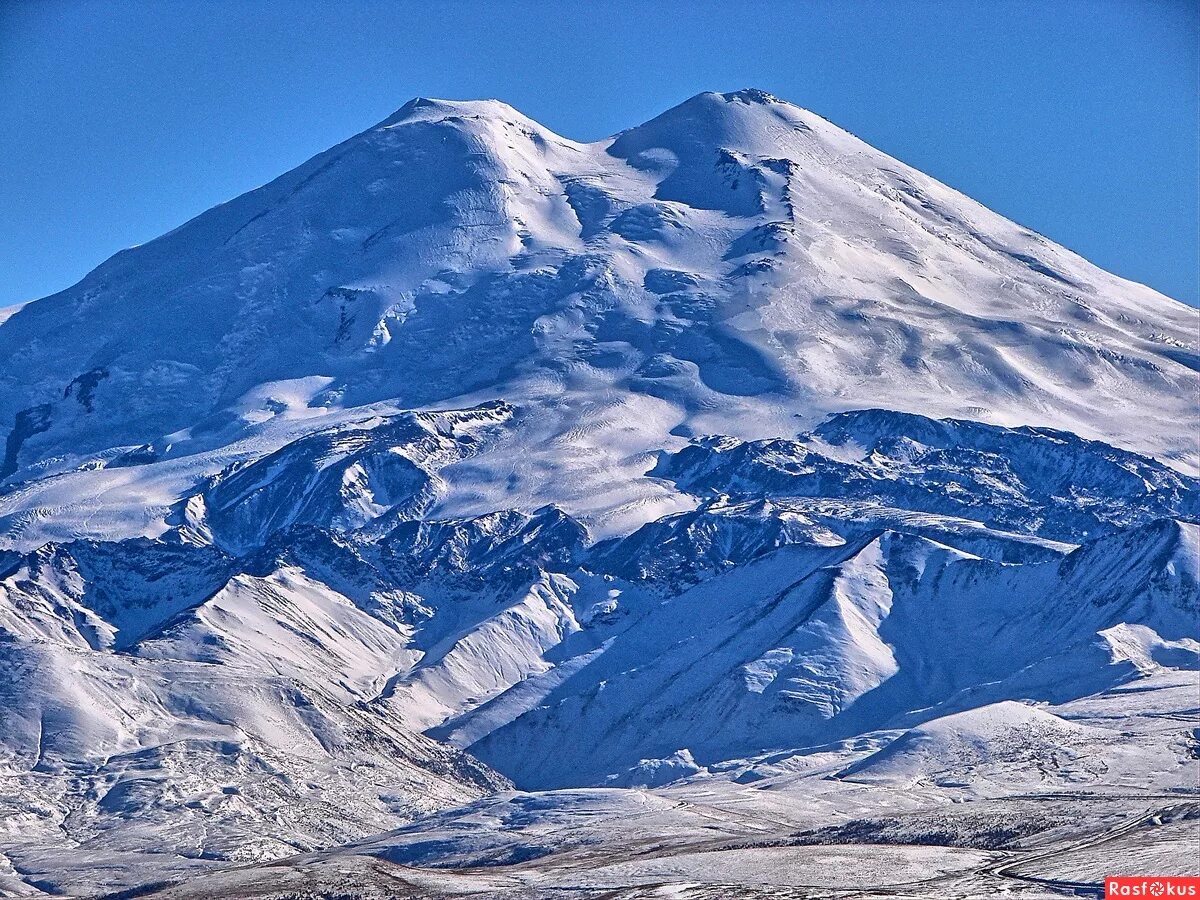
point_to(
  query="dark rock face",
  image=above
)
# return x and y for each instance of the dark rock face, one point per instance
(29, 422)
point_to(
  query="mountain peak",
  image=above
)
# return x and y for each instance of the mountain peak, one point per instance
(748, 96)
(752, 95)
(431, 109)
(748, 120)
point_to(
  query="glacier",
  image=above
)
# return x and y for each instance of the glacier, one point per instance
(723, 508)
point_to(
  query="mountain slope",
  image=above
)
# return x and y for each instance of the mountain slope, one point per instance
(785, 651)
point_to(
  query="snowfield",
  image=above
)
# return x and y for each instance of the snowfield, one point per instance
(720, 509)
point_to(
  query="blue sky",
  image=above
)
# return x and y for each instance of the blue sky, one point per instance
(120, 120)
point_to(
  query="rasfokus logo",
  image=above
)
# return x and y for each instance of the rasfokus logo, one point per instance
(1151, 886)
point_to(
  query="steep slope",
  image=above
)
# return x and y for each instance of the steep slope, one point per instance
(784, 651)
(793, 606)
(104, 595)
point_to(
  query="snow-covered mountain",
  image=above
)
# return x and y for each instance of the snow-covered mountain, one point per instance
(735, 266)
(728, 449)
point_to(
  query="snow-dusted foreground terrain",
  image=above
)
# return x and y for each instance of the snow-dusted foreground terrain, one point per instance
(723, 509)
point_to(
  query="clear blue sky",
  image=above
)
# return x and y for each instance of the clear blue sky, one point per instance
(120, 120)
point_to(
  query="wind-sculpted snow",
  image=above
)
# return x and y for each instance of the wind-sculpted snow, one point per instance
(724, 461)
(998, 736)
(148, 763)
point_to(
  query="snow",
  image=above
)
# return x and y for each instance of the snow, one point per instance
(728, 487)
(7, 312)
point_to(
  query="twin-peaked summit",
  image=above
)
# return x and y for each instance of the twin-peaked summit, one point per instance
(732, 265)
(731, 119)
